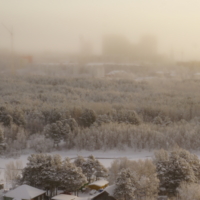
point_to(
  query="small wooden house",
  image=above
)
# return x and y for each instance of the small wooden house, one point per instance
(25, 192)
(97, 185)
(107, 194)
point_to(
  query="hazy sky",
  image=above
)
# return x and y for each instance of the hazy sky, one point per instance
(57, 25)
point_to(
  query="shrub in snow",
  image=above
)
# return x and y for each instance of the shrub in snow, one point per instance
(40, 143)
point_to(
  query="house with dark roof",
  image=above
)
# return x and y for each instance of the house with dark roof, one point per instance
(106, 194)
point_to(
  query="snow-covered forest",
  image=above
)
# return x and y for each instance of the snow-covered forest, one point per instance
(41, 112)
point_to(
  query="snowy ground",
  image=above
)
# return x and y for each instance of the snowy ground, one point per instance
(105, 157)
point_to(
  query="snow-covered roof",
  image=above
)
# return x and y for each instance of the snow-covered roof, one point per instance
(110, 190)
(24, 192)
(64, 197)
(99, 183)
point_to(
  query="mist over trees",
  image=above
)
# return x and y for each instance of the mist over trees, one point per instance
(97, 114)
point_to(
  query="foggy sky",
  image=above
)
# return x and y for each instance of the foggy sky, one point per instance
(58, 25)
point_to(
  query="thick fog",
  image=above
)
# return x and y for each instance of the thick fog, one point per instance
(62, 26)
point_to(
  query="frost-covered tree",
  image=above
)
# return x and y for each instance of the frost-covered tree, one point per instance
(13, 171)
(40, 143)
(22, 139)
(93, 168)
(173, 169)
(42, 171)
(126, 116)
(50, 178)
(116, 166)
(52, 115)
(1, 136)
(2, 141)
(193, 160)
(88, 167)
(18, 117)
(87, 118)
(35, 121)
(72, 124)
(125, 185)
(147, 181)
(79, 161)
(5, 117)
(189, 191)
(100, 170)
(31, 173)
(50, 172)
(145, 175)
(71, 177)
(57, 131)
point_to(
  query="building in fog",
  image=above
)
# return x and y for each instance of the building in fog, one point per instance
(119, 48)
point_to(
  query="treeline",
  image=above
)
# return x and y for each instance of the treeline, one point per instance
(176, 99)
(104, 136)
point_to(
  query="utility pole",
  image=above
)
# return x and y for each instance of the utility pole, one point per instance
(11, 33)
